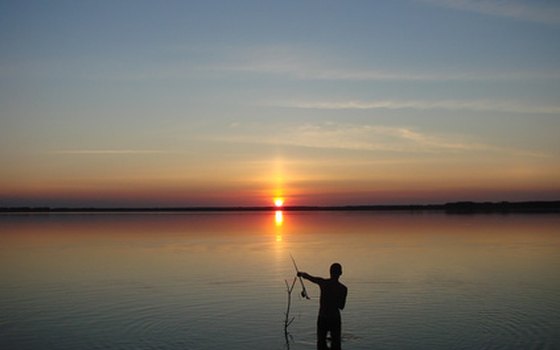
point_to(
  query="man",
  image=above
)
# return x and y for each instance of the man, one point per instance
(333, 299)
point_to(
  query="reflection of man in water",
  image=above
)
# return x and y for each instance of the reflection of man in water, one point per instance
(333, 299)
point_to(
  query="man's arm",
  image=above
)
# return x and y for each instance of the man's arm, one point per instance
(342, 301)
(308, 277)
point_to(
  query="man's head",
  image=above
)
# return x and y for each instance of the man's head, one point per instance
(336, 270)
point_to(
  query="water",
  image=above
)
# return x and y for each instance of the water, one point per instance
(216, 280)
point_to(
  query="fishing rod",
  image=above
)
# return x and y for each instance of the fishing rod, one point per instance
(303, 290)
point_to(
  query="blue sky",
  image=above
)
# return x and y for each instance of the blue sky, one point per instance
(323, 102)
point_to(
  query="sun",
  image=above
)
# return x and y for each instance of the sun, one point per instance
(278, 202)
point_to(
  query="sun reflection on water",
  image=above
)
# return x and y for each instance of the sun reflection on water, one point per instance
(278, 221)
(279, 218)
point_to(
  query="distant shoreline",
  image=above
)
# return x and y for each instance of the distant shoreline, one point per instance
(452, 208)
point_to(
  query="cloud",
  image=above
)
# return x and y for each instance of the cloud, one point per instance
(382, 138)
(359, 137)
(532, 11)
(451, 105)
(106, 152)
(309, 64)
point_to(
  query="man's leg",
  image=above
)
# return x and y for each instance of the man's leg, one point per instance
(322, 328)
(335, 328)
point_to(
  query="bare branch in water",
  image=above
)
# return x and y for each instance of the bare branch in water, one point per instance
(287, 320)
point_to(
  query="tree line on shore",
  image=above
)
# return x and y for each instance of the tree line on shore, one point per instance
(464, 207)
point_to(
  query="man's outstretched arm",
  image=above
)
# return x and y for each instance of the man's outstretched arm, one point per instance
(308, 277)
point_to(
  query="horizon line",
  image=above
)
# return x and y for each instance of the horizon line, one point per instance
(458, 206)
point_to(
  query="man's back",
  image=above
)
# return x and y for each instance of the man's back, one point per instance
(333, 297)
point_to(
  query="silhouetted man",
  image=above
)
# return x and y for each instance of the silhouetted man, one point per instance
(333, 299)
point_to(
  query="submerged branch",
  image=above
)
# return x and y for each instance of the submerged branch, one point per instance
(288, 320)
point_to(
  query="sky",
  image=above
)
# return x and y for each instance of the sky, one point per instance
(215, 102)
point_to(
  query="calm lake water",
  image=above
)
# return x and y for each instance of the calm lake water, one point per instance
(216, 280)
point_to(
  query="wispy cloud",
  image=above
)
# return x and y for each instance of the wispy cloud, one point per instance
(309, 64)
(396, 139)
(534, 11)
(291, 62)
(106, 152)
(359, 137)
(451, 105)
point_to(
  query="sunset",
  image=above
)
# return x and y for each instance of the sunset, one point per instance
(229, 103)
(284, 175)
(278, 202)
